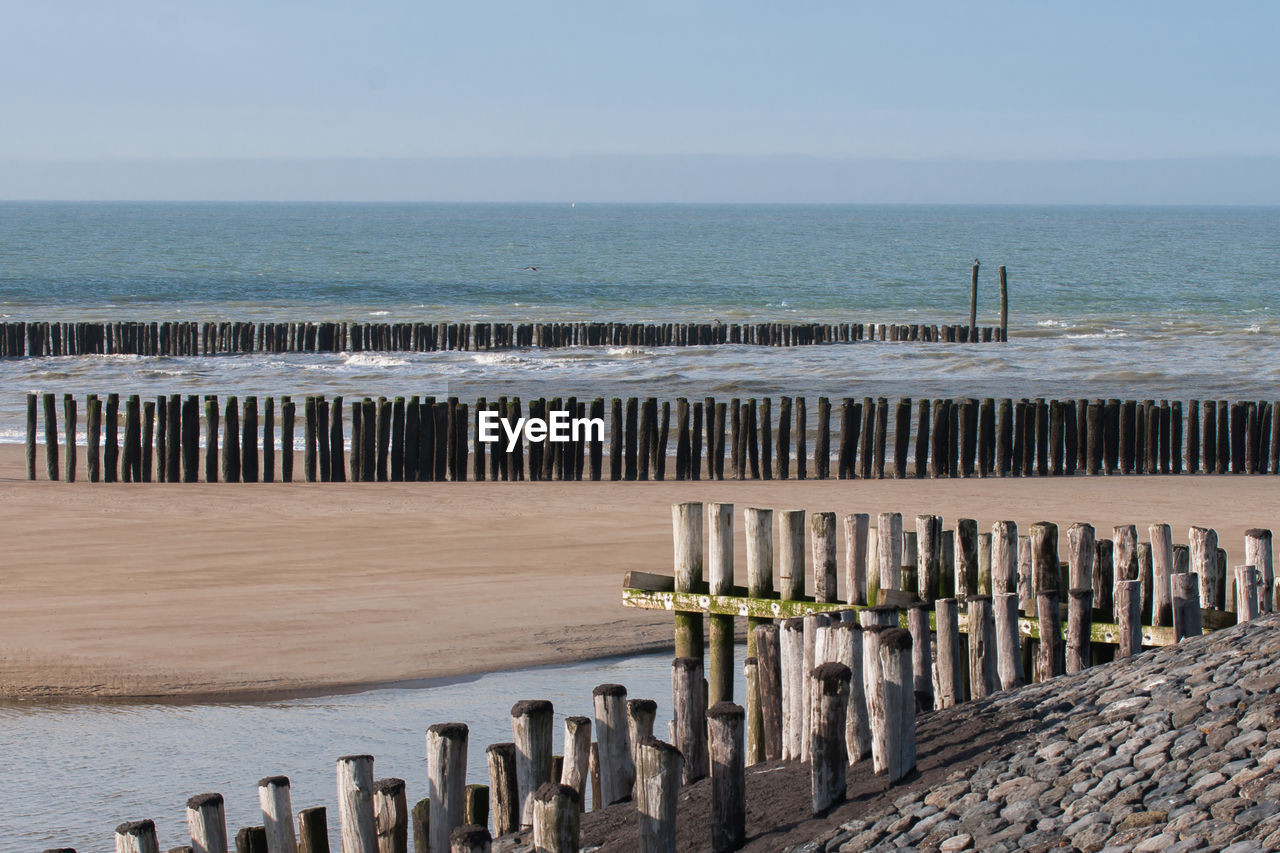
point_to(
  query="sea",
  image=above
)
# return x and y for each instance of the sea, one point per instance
(1175, 303)
(1103, 301)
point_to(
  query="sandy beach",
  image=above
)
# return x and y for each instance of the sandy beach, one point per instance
(256, 591)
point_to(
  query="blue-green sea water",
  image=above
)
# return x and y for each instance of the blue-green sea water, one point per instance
(1165, 302)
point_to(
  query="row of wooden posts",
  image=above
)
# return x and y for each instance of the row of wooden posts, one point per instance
(426, 439)
(191, 338)
(990, 604)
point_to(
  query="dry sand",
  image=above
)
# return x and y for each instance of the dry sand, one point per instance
(255, 591)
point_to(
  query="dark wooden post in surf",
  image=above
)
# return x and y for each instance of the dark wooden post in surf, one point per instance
(728, 777)
(802, 437)
(827, 749)
(32, 402)
(659, 771)
(324, 459)
(720, 576)
(93, 438)
(557, 811)
(782, 458)
(982, 647)
(231, 442)
(69, 434)
(617, 768)
(207, 822)
(949, 665)
(1187, 619)
(269, 438)
(769, 670)
(313, 831)
(138, 836)
(686, 521)
(446, 779)
(277, 814)
(355, 804)
(211, 437)
(532, 724)
(690, 716)
(391, 816)
(503, 788)
(131, 470)
(51, 438)
(973, 302)
(249, 444)
(1004, 304)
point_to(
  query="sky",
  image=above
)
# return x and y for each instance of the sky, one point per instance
(1159, 102)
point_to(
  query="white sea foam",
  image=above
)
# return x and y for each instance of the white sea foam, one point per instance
(629, 352)
(379, 313)
(369, 359)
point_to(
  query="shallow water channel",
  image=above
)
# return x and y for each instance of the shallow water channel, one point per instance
(76, 770)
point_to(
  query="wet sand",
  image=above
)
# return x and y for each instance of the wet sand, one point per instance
(256, 591)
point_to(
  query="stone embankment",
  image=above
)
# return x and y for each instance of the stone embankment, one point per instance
(1174, 750)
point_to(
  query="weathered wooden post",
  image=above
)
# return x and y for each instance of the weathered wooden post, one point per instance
(51, 438)
(1257, 553)
(617, 770)
(759, 529)
(899, 705)
(823, 540)
(468, 839)
(313, 831)
(728, 777)
(640, 716)
(889, 541)
(769, 672)
(720, 575)
(1081, 552)
(949, 667)
(791, 534)
(658, 787)
(1008, 640)
(973, 303)
(391, 815)
(690, 717)
(476, 807)
(207, 823)
(1004, 305)
(982, 647)
(791, 645)
(277, 814)
(1204, 564)
(557, 811)
(1187, 619)
(32, 409)
(532, 724)
(827, 748)
(929, 556)
(355, 804)
(138, 836)
(1079, 628)
(446, 779)
(504, 791)
(1050, 657)
(69, 435)
(1247, 583)
(686, 522)
(855, 557)
(577, 754)
(251, 839)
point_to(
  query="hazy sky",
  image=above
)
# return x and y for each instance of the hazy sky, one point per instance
(133, 82)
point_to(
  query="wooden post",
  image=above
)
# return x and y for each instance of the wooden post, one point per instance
(532, 723)
(929, 556)
(950, 674)
(984, 563)
(313, 831)
(577, 754)
(1044, 558)
(207, 823)
(251, 839)
(111, 443)
(827, 748)
(769, 671)
(640, 717)
(277, 814)
(557, 811)
(617, 770)
(475, 809)
(899, 706)
(921, 657)
(391, 815)
(889, 541)
(469, 839)
(814, 640)
(93, 438)
(690, 717)
(686, 523)
(759, 529)
(1247, 583)
(137, 836)
(982, 647)
(1004, 557)
(966, 554)
(309, 462)
(51, 439)
(32, 409)
(1050, 658)
(269, 438)
(1257, 553)
(873, 685)
(249, 442)
(753, 717)
(823, 528)
(719, 568)
(659, 773)
(1008, 645)
(231, 442)
(791, 534)
(728, 777)
(503, 788)
(791, 645)
(355, 804)
(1081, 552)
(855, 557)
(1161, 569)
(1187, 620)
(973, 303)
(190, 438)
(1204, 564)
(1079, 626)
(446, 779)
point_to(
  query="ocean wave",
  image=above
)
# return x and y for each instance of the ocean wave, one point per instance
(368, 359)
(379, 313)
(1256, 328)
(499, 358)
(629, 352)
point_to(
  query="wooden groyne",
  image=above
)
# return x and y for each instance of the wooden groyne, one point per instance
(419, 439)
(192, 338)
